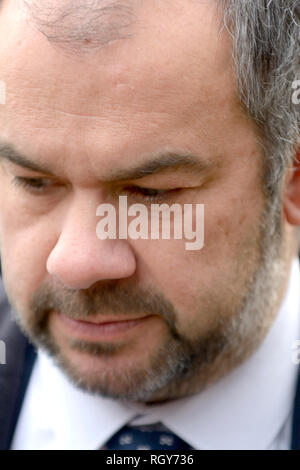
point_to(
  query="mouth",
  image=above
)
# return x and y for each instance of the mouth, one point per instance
(104, 328)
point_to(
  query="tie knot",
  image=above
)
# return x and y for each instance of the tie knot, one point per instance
(146, 437)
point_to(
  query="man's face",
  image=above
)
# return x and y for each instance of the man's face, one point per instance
(169, 89)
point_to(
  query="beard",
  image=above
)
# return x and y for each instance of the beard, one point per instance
(182, 364)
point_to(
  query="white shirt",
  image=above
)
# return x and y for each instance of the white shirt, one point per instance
(250, 408)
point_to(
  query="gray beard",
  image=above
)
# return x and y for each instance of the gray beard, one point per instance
(181, 366)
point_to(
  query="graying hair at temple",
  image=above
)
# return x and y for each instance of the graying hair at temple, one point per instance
(266, 36)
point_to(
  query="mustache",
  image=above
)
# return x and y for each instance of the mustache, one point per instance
(105, 297)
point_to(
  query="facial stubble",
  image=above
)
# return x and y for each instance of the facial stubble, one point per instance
(180, 365)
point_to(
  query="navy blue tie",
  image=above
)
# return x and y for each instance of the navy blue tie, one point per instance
(146, 437)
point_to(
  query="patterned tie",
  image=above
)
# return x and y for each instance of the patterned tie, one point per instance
(146, 437)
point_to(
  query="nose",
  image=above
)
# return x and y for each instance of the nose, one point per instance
(79, 259)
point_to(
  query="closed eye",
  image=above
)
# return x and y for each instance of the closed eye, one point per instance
(147, 194)
(35, 185)
(42, 185)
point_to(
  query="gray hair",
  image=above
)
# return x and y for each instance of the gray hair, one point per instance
(266, 39)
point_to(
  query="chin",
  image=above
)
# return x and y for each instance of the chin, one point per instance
(115, 377)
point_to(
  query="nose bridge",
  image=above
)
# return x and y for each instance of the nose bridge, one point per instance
(80, 220)
(79, 258)
(78, 224)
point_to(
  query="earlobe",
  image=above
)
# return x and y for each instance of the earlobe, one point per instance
(291, 195)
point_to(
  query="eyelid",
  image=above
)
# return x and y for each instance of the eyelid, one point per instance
(142, 189)
(134, 191)
(137, 191)
(24, 182)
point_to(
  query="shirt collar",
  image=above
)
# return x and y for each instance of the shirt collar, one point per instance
(244, 410)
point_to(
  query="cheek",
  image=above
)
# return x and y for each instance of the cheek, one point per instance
(203, 285)
(26, 237)
(25, 247)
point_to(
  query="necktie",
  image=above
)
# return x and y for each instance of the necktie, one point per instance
(146, 437)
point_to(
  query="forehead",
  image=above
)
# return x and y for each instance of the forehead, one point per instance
(176, 64)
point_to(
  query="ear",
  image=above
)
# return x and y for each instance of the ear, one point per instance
(291, 194)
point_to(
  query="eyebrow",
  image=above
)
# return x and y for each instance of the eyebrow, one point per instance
(163, 161)
(8, 152)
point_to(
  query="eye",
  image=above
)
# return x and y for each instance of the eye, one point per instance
(35, 185)
(147, 194)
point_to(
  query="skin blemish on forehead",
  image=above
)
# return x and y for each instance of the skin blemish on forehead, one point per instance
(81, 26)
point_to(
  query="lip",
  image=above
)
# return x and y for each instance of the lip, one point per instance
(104, 328)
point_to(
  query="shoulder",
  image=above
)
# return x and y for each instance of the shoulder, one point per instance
(15, 372)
